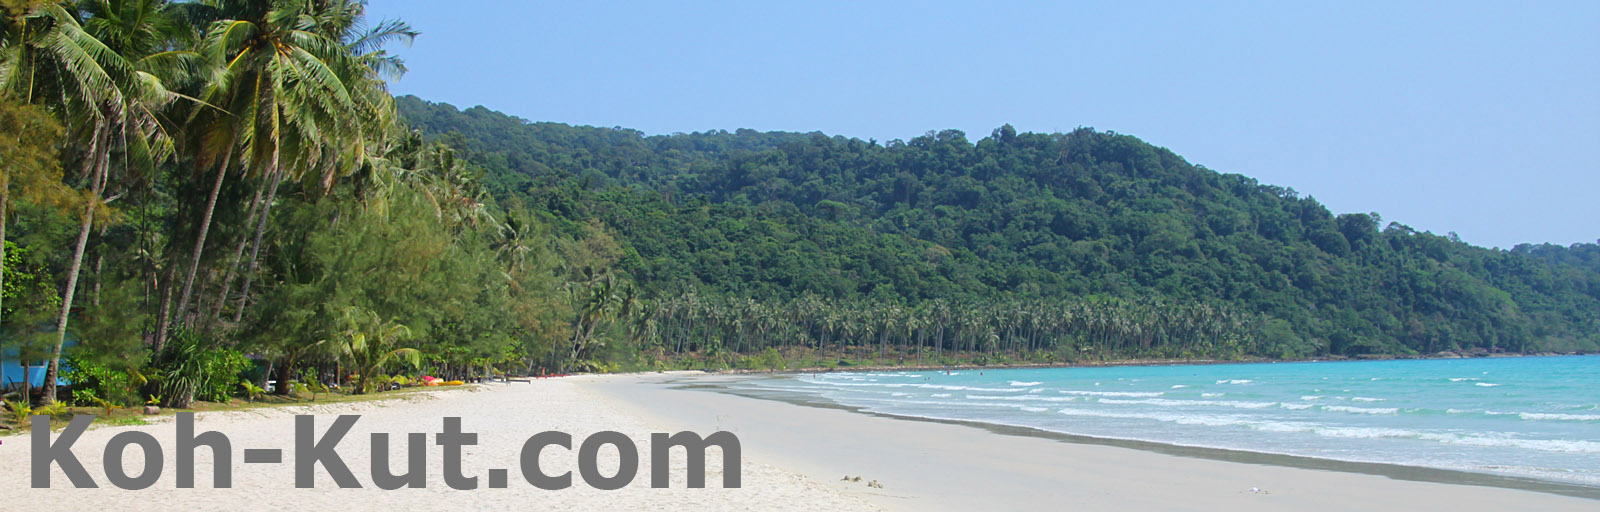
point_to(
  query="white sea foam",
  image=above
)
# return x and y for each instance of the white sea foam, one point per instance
(1182, 419)
(1311, 397)
(1025, 398)
(1365, 399)
(1546, 445)
(1360, 410)
(1112, 393)
(1295, 407)
(968, 388)
(1212, 395)
(1539, 416)
(1034, 409)
(1178, 386)
(1460, 379)
(1162, 402)
(1485, 384)
(1235, 381)
(941, 395)
(1019, 383)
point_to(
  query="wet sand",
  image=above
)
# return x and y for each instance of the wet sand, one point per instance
(927, 465)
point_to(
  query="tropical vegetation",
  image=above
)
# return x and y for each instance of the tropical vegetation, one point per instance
(199, 198)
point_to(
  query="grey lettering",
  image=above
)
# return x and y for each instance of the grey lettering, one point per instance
(309, 451)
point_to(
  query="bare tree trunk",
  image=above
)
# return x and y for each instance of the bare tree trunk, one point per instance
(96, 186)
(255, 248)
(238, 257)
(5, 196)
(200, 239)
(99, 262)
(166, 308)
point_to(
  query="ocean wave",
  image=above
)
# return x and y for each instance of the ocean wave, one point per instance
(941, 395)
(1460, 379)
(1019, 383)
(1539, 416)
(946, 387)
(942, 387)
(1485, 384)
(1134, 394)
(1311, 397)
(1235, 381)
(1360, 410)
(1532, 416)
(1162, 402)
(1182, 419)
(1295, 407)
(1034, 409)
(1025, 398)
(1212, 395)
(1365, 399)
(1544, 445)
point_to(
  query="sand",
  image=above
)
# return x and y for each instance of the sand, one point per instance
(926, 465)
(503, 415)
(794, 458)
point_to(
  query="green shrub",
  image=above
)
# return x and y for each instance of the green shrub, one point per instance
(222, 368)
(192, 366)
(101, 382)
(19, 411)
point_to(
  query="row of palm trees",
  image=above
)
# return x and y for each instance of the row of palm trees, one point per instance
(1021, 329)
(267, 91)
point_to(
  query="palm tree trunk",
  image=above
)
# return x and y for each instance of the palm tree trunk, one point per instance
(99, 262)
(96, 186)
(5, 196)
(238, 257)
(66, 301)
(166, 308)
(200, 240)
(255, 247)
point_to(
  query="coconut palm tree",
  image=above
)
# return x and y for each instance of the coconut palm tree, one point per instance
(109, 94)
(306, 91)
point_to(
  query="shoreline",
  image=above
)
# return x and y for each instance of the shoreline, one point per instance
(958, 465)
(1109, 364)
(1389, 470)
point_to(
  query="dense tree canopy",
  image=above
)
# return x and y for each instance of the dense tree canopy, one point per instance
(1027, 218)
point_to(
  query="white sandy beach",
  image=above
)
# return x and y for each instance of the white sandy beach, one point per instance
(794, 457)
(503, 415)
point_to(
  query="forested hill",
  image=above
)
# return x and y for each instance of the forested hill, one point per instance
(1022, 218)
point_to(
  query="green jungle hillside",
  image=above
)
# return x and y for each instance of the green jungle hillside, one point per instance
(1015, 243)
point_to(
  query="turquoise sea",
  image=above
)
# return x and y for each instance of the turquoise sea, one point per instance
(1533, 417)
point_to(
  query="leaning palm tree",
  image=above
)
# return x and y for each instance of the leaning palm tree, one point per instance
(306, 87)
(110, 101)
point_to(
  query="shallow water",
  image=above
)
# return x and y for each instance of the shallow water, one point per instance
(1535, 417)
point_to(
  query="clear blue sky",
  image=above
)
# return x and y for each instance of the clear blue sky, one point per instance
(1481, 118)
